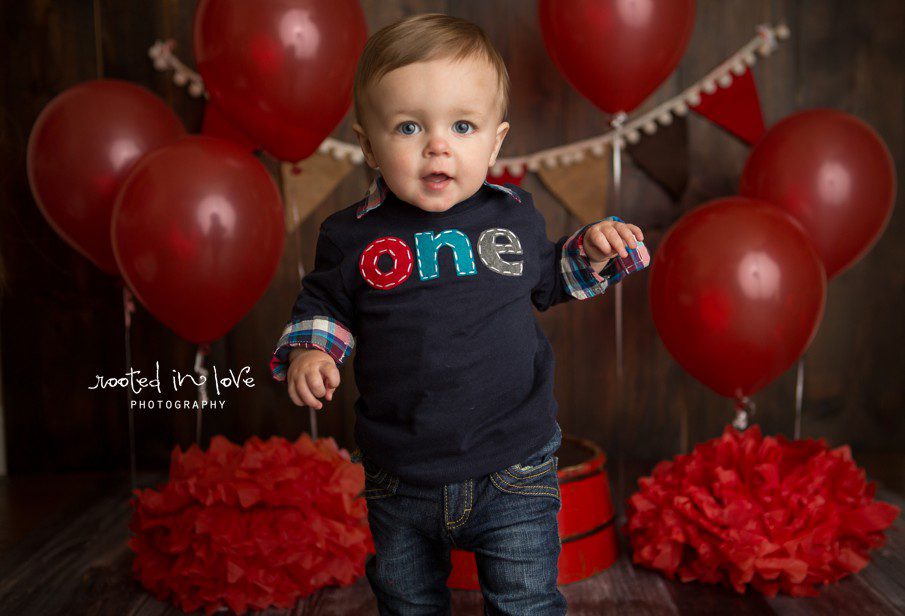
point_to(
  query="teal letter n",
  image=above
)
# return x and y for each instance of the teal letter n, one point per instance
(427, 245)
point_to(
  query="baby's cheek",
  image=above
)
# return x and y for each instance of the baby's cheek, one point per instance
(405, 161)
(475, 159)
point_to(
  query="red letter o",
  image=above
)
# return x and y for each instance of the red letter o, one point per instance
(402, 263)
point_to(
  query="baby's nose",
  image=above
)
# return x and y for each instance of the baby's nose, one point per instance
(436, 146)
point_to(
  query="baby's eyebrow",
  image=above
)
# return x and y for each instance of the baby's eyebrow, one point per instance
(459, 111)
(396, 112)
(466, 111)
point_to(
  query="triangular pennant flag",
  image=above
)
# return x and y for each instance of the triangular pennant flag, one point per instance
(506, 177)
(309, 182)
(736, 108)
(664, 156)
(580, 187)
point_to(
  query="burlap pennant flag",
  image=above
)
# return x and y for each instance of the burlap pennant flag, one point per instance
(581, 187)
(663, 156)
(309, 182)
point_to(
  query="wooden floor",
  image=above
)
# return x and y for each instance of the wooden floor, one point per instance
(63, 551)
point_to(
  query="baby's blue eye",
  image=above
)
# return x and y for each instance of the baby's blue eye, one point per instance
(408, 128)
(462, 127)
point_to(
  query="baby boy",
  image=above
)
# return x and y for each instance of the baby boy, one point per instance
(432, 278)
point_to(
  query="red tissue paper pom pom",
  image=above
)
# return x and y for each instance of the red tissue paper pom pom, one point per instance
(251, 526)
(742, 509)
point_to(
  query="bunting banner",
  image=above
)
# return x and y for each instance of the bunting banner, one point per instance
(727, 96)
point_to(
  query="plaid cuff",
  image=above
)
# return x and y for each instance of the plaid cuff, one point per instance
(319, 332)
(582, 281)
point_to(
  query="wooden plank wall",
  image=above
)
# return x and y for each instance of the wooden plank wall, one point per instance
(62, 318)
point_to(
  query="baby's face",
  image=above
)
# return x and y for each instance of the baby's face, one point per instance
(433, 128)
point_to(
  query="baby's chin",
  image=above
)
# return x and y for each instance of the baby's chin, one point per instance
(433, 205)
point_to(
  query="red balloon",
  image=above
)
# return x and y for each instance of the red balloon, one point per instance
(281, 71)
(82, 146)
(736, 292)
(616, 52)
(198, 232)
(833, 173)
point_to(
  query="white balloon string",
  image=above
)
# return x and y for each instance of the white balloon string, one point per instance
(202, 372)
(617, 122)
(128, 310)
(312, 416)
(298, 250)
(799, 397)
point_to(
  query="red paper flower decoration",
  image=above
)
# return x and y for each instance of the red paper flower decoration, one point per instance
(253, 526)
(742, 509)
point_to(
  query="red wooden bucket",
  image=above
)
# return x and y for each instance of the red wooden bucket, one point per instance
(586, 520)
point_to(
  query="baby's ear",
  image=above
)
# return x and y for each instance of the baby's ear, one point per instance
(501, 131)
(365, 145)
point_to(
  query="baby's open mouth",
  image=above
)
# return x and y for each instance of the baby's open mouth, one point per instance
(436, 181)
(436, 177)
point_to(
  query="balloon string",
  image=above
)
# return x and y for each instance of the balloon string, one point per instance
(617, 121)
(799, 397)
(128, 310)
(297, 236)
(312, 416)
(98, 41)
(202, 372)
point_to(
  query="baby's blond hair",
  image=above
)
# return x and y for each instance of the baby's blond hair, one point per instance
(421, 38)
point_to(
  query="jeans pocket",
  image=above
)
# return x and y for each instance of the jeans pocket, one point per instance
(536, 476)
(540, 480)
(378, 482)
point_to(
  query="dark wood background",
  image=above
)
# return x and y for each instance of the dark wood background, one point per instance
(62, 318)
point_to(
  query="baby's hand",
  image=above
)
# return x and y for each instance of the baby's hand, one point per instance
(609, 238)
(312, 374)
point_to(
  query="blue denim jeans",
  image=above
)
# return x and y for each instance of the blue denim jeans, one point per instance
(507, 518)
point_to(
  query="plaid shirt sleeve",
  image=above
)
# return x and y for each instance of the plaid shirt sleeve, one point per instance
(580, 279)
(566, 272)
(322, 315)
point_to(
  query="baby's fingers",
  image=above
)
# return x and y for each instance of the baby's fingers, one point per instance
(597, 239)
(330, 374)
(628, 236)
(293, 395)
(300, 394)
(315, 389)
(616, 241)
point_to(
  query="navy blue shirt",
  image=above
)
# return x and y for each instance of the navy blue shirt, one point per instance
(454, 372)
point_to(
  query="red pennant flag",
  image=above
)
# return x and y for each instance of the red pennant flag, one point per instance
(736, 108)
(506, 177)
